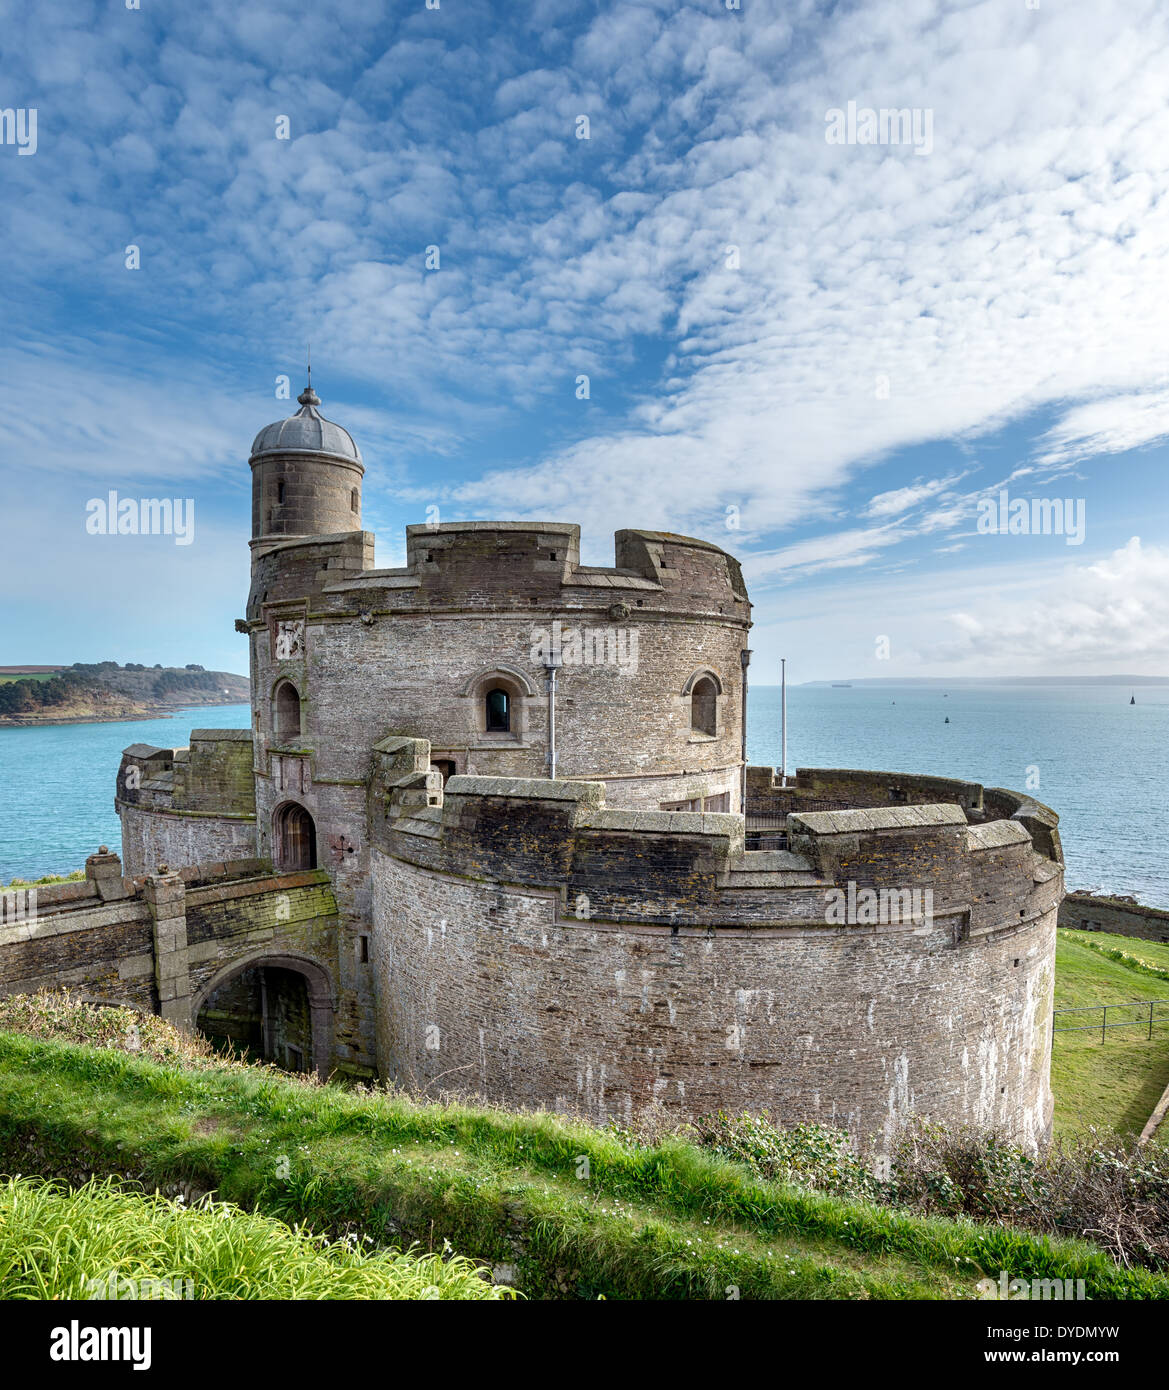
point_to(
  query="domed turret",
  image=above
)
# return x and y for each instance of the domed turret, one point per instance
(306, 432)
(306, 475)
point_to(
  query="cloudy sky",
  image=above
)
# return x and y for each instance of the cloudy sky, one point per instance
(822, 352)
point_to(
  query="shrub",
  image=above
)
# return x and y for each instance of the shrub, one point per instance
(1096, 1187)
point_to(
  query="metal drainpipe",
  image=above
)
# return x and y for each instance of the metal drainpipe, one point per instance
(744, 661)
(551, 666)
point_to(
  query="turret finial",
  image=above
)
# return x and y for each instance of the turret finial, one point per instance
(308, 396)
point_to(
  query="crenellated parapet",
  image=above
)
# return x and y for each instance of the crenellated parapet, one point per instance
(414, 651)
(186, 806)
(689, 867)
(888, 963)
(816, 789)
(489, 565)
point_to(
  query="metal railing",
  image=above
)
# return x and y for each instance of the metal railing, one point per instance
(763, 809)
(1147, 1007)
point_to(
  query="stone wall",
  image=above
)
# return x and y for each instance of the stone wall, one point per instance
(186, 806)
(167, 942)
(817, 788)
(152, 838)
(856, 788)
(94, 937)
(319, 494)
(1092, 912)
(216, 774)
(412, 651)
(536, 947)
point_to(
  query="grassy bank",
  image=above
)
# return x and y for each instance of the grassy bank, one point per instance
(76, 876)
(564, 1209)
(1117, 1082)
(104, 1241)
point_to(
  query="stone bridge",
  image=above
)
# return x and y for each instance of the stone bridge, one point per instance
(232, 949)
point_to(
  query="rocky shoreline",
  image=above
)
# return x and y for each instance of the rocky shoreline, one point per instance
(137, 715)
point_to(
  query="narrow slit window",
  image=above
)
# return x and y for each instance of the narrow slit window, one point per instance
(498, 712)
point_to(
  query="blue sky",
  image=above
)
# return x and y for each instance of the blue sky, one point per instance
(839, 348)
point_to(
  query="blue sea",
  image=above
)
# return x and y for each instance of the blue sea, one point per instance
(58, 781)
(1102, 763)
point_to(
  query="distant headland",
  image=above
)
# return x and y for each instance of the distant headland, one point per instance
(103, 691)
(952, 681)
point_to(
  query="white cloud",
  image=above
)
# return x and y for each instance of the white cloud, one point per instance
(1024, 264)
(1111, 426)
(903, 499)
(1111, 615)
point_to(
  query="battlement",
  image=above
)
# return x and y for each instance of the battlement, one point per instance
(646, 958)
(501, 564)
(654, 866)
(819, 790)
(188, 805)
(212, 776)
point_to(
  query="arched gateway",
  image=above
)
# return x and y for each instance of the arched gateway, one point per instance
(278, 1008)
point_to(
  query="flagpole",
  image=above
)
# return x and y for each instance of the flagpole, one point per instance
(783, 721)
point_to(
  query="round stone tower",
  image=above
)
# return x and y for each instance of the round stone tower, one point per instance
(306, 475)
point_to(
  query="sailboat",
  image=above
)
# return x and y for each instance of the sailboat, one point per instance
(1132, 699)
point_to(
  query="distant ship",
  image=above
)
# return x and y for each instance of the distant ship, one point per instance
(947, 718)
(1132, 699)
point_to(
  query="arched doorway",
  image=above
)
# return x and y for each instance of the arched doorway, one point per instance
(273, 1008)
(294, 838)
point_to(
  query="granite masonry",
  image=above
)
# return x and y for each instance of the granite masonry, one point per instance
(493, 831)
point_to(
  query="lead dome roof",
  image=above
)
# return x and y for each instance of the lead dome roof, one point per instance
(306, 432)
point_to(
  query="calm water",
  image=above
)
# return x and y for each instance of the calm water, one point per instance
(58, 803)
(1103, 765)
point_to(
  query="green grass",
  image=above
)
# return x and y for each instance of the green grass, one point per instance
(102, 1240)
(576, 1211)
(7, 676)
(1115, 1083)
(75, 877)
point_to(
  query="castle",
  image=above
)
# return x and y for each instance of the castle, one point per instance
(493, 831)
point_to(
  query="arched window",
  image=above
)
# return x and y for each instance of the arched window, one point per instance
(294, 838)
(286, 711)
(498, 711)
(498, 699)
(704, 706)
(280, 491)
(353, 501)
